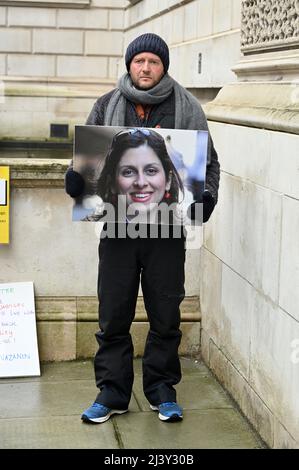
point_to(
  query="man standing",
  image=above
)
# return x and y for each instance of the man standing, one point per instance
(146, 96)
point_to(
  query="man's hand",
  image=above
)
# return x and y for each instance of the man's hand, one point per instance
(208, 205)
(74, 183)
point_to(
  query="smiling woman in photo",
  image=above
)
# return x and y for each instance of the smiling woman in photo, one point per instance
(139, 168)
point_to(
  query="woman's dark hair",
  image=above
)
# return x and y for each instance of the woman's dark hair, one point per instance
(133, 138)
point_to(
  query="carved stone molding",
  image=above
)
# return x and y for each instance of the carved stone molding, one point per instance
(264, 105)
(269, 24)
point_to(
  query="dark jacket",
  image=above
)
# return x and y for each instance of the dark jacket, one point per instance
(161, 115)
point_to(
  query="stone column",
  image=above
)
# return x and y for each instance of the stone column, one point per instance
(248, 296)
(266, 94)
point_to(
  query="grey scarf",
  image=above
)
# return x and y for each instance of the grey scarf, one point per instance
(188, 112)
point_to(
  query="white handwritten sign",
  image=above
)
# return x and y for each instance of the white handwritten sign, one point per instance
(3, 192)
(18, 338)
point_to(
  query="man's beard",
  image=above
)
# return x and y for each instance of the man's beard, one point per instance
(142, 88)
(145, 87)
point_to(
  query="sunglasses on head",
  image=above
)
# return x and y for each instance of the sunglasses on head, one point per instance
(131, 132)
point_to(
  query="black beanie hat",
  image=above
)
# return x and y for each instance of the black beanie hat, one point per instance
(148, 42)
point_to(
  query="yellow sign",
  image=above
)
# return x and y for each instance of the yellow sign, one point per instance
(4, 204)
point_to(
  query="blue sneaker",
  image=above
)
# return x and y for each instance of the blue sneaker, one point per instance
(169, 411)
(98, 413)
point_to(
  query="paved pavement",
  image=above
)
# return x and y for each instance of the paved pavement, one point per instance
(44, 412)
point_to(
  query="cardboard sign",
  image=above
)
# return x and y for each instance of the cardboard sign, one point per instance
(4, 204)
(18, 339)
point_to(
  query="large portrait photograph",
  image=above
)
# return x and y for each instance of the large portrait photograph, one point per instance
(140, 174)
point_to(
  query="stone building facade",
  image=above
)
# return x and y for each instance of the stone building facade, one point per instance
(56, 57)
(250, 327)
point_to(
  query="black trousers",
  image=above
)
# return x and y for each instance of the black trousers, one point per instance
(159, 263)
